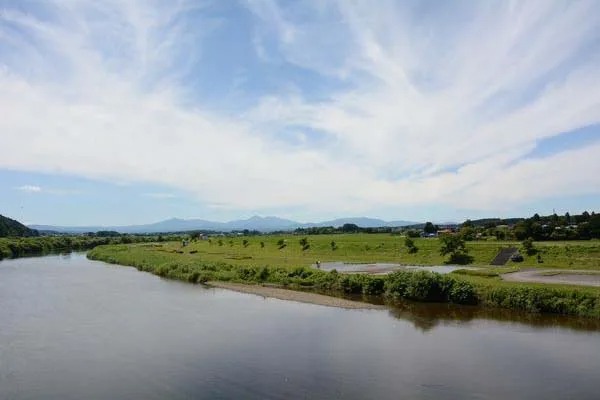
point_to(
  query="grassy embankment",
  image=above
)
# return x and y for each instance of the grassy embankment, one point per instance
(289, 266)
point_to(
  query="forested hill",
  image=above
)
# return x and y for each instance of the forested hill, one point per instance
(10, 227)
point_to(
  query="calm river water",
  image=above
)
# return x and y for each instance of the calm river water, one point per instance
(77, 329)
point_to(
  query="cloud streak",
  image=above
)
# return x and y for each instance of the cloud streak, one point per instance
(29, 188)
(160, 195)
(420, 105)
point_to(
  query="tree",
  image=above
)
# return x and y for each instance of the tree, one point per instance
(333, 245)
(350, 228)
(468, 232)
(410, 245)
(585, 216)
(594, 226)
(455, 246)
(528, 247)
(429, 228)
(468, 224)
(304, 244)
(195, 235)
(262, 245)
(522, 230)
(412, 233)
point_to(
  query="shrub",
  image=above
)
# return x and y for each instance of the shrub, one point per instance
(528, 247)
(429, 287)
(264, 273)
(410, 245)
(373, 285)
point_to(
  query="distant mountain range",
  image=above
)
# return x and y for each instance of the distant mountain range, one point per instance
(263, 224)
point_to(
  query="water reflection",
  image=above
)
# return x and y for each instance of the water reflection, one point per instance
(72, 329)
(428, 316)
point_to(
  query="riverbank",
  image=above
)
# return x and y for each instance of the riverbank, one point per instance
(43, 245)
(293, 295)
(423, 286)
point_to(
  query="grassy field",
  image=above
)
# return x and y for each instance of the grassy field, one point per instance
(246, 260)
(372, 248)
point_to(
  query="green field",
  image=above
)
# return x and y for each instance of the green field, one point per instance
(370, 248)
(246, 260)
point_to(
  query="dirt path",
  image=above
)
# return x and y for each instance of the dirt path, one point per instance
(293, 295)
(568, 277)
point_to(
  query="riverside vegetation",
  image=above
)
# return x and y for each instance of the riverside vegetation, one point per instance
(285, 260)
(12, 247)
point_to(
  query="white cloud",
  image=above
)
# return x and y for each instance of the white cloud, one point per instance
(54, 191)
(160, 195)
(432, 111)
(29, 188)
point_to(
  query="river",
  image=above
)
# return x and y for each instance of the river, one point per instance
(71, 328)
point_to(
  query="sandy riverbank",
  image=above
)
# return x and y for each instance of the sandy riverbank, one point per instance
(293, 295)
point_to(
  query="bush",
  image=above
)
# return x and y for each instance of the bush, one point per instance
(455, 246)
(351, 283)
(528, 247)
(544, 299)
(462, 292)
(429, 287)
(373, 285)
(264, 273)
(410, 245)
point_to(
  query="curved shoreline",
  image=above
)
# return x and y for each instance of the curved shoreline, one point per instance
(294, 295)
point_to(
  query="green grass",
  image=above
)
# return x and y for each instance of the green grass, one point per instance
(371, 248)
(290, 266)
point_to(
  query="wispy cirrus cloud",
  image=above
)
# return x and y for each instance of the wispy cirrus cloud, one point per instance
(411, 103)
(29, 188)
(45, 190)
(158, 195)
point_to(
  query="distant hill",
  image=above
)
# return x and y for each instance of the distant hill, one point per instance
(10, 227)
(263, 224)
(363, 222)
(495, 221)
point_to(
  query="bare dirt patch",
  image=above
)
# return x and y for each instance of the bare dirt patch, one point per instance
(566, 277)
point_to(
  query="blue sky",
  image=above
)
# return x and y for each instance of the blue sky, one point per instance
(123, 112)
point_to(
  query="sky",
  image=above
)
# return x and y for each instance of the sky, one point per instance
(116, 112)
